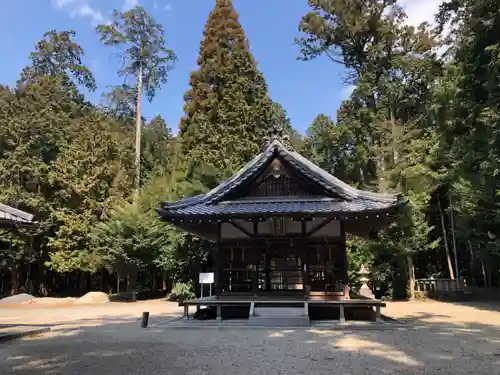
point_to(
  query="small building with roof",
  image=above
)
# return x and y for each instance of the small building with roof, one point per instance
(11, 217)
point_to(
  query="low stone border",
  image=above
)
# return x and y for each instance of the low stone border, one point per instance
(13, 332)
(180, 323)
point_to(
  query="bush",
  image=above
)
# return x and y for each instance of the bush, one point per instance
(420, 295)
(184, 291)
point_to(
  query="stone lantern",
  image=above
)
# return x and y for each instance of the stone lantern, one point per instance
(365, 290)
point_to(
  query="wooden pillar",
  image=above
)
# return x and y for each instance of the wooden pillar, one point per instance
(218, 263)
(305, 259)
(255, 278)
(378, 315)
(345, 276)
(267, 266)
(256, 257)
(341, 313)
(219, 312)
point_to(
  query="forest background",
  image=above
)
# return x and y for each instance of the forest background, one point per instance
(423, 118)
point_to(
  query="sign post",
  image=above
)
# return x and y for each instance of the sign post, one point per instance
(206, 278)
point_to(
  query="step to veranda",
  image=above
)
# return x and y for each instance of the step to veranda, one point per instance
(279, 317)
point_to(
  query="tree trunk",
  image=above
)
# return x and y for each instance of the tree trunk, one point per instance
(472, 263)
(164, 282)
(488, 273)
(483, 271)
(14, 279)
(43, 283)
(27, 282)
(132, 281)
(102, 280)
(452, 219)
(411, 275)
(138, 128)
(82, 283)
(153, 277)
(394, 134)
(445, 239)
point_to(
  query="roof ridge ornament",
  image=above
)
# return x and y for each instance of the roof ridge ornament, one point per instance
(276, 133)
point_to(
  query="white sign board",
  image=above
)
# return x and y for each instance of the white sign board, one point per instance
(207, 278)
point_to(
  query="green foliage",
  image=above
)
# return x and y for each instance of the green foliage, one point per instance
(467, 114)
(158, 147)
(227, 109)
(145, 58)
(382, 139)
(57, 55)
(184, 291)
(127, 240)
(145, 53)
(415, 123)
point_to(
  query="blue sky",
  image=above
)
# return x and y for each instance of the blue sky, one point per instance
(305, 89)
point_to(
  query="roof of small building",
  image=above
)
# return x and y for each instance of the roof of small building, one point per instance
(12, 216)
(344, 200)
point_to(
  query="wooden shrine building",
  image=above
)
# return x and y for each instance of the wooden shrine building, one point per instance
(280, 225)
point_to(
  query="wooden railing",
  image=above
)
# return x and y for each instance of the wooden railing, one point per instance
(440, 285)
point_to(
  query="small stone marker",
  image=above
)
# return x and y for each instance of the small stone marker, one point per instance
(145, 319)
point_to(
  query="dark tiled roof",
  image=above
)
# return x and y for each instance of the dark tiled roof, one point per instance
(13, 215)
(278, 207)
(213, 203)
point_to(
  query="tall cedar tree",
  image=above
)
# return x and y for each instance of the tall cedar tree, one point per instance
(468, 111)
(227, 109)
(392, 66)
(144, 57)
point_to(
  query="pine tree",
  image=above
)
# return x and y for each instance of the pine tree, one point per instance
(227, 108)
(158, 147)
(468, 116)
(145, 58)
(392, 66)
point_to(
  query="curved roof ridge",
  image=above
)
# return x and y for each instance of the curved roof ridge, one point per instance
(247, 167)
(350, 191)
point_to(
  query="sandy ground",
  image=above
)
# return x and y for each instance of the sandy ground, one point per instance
(434, 312)
(439, 338)
(99, 313)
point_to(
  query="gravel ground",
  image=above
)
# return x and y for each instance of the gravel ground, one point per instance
(439, 340)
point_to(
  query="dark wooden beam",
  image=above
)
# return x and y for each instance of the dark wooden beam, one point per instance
(256, 228)
(319, 226)
(241, 229)
(262, 240)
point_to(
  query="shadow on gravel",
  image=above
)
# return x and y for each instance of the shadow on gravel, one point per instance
(480, 305)
(120, 346)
